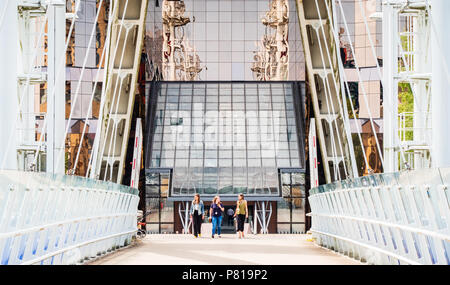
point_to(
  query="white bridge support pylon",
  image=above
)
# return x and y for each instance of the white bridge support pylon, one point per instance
(8, 83)
(56, 83)
(440, 42)
(322, 64)
(116, 109)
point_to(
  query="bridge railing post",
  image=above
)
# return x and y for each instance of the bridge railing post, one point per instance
(396, 222)
(55, 219)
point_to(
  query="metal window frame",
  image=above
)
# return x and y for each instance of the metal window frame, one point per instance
(298, 97)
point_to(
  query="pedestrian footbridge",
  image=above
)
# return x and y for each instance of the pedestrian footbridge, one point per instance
(399, 218)
(390, 218)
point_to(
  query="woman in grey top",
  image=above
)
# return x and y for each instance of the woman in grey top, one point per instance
(197, 215)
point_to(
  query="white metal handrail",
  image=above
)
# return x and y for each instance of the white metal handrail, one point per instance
(420, 134)
(399, 218)
(59, 219)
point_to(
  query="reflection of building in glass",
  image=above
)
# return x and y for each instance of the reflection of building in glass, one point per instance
(224, 139)
(272, 59)
(180, 62)
(225, 35)
(355, 48)
(221, 136)
(77, 49)
(228, 133)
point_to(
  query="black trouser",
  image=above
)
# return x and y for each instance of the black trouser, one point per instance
(240, 222)
(197, 223)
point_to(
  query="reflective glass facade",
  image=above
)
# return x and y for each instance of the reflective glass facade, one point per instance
(291, 211)
(231, 39)
(226, 138)
(225, 97)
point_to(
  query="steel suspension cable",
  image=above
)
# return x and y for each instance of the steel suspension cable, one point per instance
(345, 87)
(361, 81)
(102, 58)
(326, 91)
(344, 116)
(102, 149)
(343, 80)
(59, 72)
(378, 68)
(77, 90)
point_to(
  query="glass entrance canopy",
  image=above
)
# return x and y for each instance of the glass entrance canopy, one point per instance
(225, 137)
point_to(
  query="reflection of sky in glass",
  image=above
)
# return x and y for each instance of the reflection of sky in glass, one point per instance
(224, 34)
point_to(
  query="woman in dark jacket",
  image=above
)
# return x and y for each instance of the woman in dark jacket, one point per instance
(215, 212)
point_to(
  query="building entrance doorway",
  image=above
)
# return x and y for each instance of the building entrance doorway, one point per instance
(228, 221)
(228, 224)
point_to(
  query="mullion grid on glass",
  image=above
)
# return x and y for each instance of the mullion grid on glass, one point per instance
(242, 26)
(210, 152)
(203, 143)
(287, 122)
(190, 140)
(197, 123)
(296, 125)
(291, 126)
(162, 118)
(252, 137)
(240, 153)
(226, 141)
(246, 141)
(217, 140)
(290, 200)
(169, 147)
(175, 147)
(262, 89)
(273, 132)
(232, 140)
(258, 118)
(234, 127)
(234, 98)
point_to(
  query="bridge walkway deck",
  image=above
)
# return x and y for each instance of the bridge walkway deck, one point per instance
(228, 250)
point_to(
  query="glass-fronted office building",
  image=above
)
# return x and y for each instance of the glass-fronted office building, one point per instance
(225, 111)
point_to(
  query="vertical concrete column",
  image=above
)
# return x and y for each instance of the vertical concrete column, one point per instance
(56, 87)
(440, 43)
(8, 83)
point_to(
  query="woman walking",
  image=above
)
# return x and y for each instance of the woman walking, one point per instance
(197, 215)
(242, 214)
(215, 211)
